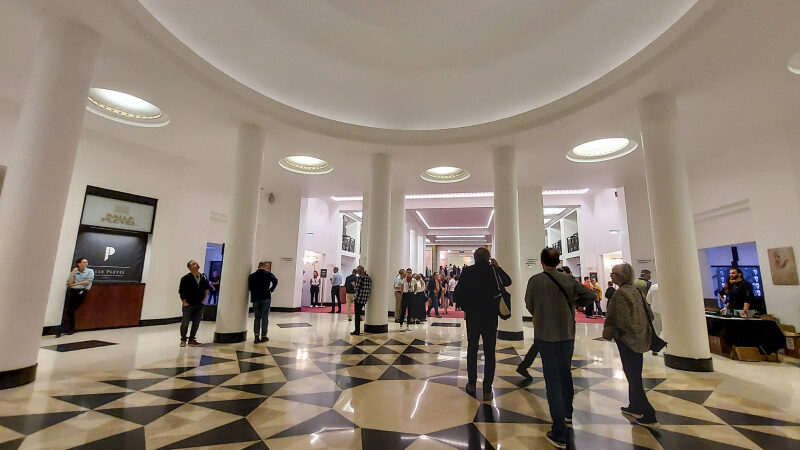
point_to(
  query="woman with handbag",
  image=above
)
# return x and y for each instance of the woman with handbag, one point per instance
(629, 323)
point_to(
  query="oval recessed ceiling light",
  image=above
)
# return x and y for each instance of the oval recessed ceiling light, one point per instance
(125, 108)
(602, 150)
(306, 165)
(445, 174)
(794, 63)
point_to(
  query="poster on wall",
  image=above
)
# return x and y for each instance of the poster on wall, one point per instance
(115, 258)
(782, 265)
(112, 209)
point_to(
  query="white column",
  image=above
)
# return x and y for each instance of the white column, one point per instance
(36, 187)
(506, 240)
(240, 238)
(412, 248)
(531, 225)
(397, 231)
(639, 229)
(674, 236)
(364, 252)
(379, 201)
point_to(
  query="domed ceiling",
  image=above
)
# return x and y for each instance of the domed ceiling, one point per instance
(416, 64)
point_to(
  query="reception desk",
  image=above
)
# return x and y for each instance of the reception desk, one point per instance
(111, 305)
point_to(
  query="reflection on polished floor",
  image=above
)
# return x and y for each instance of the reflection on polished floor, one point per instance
(319, 387)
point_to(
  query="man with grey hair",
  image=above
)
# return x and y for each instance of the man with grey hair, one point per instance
(193, 291)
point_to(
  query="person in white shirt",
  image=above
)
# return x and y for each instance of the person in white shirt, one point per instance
(655, 306)
(408, 286)
(314, 282)
(398, 294)
(451, 286)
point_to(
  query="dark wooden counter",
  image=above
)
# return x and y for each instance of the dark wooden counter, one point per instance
(110, 305)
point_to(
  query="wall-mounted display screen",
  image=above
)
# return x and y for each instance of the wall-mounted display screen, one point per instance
(117, 210)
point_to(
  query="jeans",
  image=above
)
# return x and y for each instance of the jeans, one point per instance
(405, 307)
(481, 327)
(556, 365)
(72, 302)
(194, 314)
(434, 305)
(336, 298)
(529, 357)
(261, 311)
(213, 297)
(314, 295)
(598, 307)
(632, 366)
(359, 311)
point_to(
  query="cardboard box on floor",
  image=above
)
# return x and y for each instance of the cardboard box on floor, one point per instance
(746, 354)
(792, 344)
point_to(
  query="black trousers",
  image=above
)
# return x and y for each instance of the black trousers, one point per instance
(336, 298)
(359, 310)
(529, 357)
(194, 314)
(557, 366)
(405, 306)
(481, 327)
(632, 366)
(314, 295)
(72, 302)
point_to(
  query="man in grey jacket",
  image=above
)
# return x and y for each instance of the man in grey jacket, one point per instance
(551, 298)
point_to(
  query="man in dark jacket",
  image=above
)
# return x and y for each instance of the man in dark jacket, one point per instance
(193, 291)
(477, 294)
(363, 290)
(261, 284)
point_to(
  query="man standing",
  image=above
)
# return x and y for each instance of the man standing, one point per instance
(477, 294)
(193, 291)
(398, 294)
(551, 298)
(350, 291)
(78, 284)
(261, 284)
(336, 290)
(363, 289)
(643, 282)
(739, 293)
(598, 291)
(213, 284)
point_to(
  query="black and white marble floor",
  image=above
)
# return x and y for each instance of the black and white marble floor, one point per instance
(315, 386)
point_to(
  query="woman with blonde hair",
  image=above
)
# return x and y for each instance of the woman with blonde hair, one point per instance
(628, 323)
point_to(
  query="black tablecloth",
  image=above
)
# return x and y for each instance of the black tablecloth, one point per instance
(747, 332)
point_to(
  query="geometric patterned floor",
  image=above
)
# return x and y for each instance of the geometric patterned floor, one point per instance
(388, 391)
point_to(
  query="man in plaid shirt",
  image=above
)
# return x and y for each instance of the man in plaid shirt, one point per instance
(363, 289)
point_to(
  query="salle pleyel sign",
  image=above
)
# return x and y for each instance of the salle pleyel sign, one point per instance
(120, 214)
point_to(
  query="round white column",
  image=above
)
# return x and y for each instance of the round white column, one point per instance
(531, 215)
(506, 238)
(673, 236)
(378, 245)
(240, 237)
(36, 187)
(397, 230)
(364, 244)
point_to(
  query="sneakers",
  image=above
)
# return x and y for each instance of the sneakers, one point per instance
(524, 373)
(257, 340)
(626, 410)
(556, 441)
(183, 342)
(193, 343)
(264, 339)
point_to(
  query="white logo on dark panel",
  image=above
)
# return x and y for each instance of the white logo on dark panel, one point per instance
(109, 251)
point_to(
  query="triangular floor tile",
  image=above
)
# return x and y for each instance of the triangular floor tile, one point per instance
(451, 344)
(384, 351)
(209, 360)
(328, 421)
(260, 445)
(393, 373)
(698, 397)
(765, 440)
(587, 383)
(448, 379)
(514, 361)
(133, 439)
(278, 350)
(492, 414)
(237, 431)
(354, 351)
(181, 395)
(240, 407)
(248, 355)
(739, 418)
(168, 371)
(284, 360)
(339, 342)
(394, 342)
(215, 380)
(142, 415)
(31, 423)
(367, 342)
(465, 437)
(605, 371)
(618, 395)
(385, 439)
(326, 399)
(521, 381)
(92, 401)
(372, 361)
(13, 444)
(584, 439)
(418, 342)
(449, 364)
(667, 418)
(581, 362)
(582, 417)
(672, 439)
(345, 382)
(542, 392)
(404, 360)
(507, 351)
(330, 367)
(411, 349)
(247, 366)
(265, 389)
(651, 383)
(294, 374)
(135, 384)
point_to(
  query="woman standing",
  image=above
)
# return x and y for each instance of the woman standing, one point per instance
(628, 323)
(315, 280)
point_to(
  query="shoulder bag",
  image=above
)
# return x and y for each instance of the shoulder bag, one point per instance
(560, 288)
(503, 295)
(656, 343)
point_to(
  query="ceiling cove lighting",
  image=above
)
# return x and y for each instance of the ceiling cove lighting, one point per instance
(794, 63)
(354, 198)
(124, 108)
(445, 174)
(306, 165)
(602, 150)
(565, 191)
(552, 211)
(479, 227)
(463, 236)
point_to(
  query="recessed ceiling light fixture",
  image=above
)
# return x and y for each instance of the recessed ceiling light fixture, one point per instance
(478, 227)
(306, 165)
(125, 108)
(602, 150)
(445, 174)
(794, 63)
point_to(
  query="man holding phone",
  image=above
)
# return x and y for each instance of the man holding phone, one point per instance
(193, 291)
